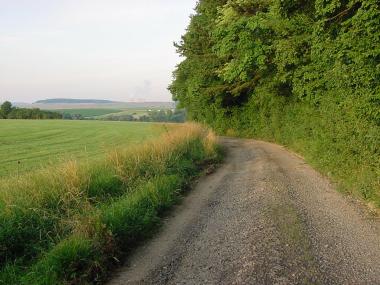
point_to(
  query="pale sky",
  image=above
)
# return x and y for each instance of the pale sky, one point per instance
(98, 49)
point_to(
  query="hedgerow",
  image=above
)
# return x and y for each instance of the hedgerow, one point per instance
(305, 74)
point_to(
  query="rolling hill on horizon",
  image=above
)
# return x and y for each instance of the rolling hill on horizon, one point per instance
(65, 103)
(75, 101)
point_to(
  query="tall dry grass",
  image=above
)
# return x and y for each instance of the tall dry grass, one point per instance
(50, 219)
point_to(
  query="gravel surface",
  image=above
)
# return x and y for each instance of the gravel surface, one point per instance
(264, 217)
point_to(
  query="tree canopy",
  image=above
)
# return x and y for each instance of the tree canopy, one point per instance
(7, 111)
(307, 50)
(304, 73)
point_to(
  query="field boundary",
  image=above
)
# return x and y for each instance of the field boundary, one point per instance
(83, 219)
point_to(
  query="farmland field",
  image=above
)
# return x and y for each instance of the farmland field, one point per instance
(139, 112)
(27, 144)
(88, 112)
(104, 114)
(71, 222)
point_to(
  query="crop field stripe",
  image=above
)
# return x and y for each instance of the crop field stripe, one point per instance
(88, 112)
(27, 145)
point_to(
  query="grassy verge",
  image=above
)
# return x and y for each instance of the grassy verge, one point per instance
(330, 137)
(71, 224)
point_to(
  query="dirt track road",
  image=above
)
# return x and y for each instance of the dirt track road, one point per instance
(264, 217)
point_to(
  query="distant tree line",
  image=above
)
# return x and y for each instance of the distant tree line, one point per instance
(7, 111)
(176, 116)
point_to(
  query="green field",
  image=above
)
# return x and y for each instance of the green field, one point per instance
(104, 114)
(138, 112)
(87, 113)
(73, 222)
(27, 144)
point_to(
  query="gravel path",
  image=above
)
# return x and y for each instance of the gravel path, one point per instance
(264, 217)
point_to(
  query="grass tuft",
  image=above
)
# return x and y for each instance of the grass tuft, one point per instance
(70, 224)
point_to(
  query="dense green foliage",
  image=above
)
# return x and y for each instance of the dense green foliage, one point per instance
(28, 144)
(305, 74)
(7, 111)
(71, 223)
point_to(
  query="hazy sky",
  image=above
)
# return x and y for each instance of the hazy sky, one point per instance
(102, 49)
